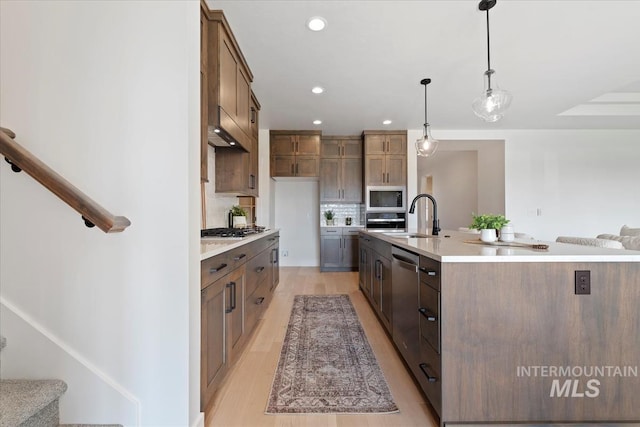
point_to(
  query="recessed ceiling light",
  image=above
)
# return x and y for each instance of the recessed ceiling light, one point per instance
(317, 122)
(317, 89)
(387, 122)
(316, 23)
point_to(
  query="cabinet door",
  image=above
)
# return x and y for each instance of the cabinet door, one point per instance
(214, 361)
(396, 170)
(375, 171)
(385, 287)
(243, 101)
(330, 148)
(331, 251)
(236, 286)
(375, 144)
(330, 185)
(275, 267)
(253, 168)
(376, 282)
(397, 144)
(228, 69)
(308, 145)
(350, 251)
(283, 165)
(351, 184)
(204, 136)
(308, 166)
(282, 144)
(352, 148)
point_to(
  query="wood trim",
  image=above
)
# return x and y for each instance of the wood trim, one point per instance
(384, 132)
(50, 179)
(295, 132)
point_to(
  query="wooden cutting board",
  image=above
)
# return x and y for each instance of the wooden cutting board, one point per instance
(510, 244)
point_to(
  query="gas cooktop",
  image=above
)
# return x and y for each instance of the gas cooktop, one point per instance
(230, 232)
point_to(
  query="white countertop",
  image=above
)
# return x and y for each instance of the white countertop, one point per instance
(454, 249)
(212, 246)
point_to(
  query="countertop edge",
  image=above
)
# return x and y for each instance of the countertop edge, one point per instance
(220, 249)
(580, 253)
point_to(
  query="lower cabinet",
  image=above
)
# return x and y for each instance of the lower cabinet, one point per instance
(339, 248)
(375, 276)
(236, 289)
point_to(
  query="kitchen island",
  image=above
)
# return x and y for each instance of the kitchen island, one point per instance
(511, 335)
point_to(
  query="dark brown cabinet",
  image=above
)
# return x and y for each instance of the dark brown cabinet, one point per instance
(341, 169)
(236, 289)
(385, 157)
(375, 276)
(229, 81)
(295, 153)
(339, 248)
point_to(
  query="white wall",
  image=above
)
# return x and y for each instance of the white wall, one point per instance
(297, 215)
(583, 182)
(106, 93)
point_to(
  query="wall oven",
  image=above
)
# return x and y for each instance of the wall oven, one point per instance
(386, 199)
(386, 221)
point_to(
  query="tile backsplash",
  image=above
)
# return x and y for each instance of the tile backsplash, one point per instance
(341, 211)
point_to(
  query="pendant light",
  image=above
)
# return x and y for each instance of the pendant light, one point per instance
(426, 146)
(493, 102)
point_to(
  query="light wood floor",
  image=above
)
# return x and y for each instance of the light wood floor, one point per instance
(242, 399)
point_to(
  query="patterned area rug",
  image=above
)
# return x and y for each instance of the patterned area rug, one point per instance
(326, 364)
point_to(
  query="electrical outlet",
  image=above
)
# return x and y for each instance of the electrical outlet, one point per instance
(285, 252)
(583, 282)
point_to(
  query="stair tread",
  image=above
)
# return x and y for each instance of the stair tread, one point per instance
(21, 399)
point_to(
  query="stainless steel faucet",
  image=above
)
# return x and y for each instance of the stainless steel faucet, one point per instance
(436, 221)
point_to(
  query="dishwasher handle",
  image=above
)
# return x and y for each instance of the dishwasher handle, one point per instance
(405, 263)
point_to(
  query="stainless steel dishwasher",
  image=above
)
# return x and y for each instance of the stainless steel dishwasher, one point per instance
(405, 301)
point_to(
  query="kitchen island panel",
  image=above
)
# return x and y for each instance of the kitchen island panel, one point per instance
(509, 328)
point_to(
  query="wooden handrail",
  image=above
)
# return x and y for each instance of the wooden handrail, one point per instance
(92, 213)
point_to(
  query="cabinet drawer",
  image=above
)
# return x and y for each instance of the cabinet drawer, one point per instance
(255, 304)
(351, 231)
(238, 256)
(429, 378)
(331, 231)
(430, 315)
(382, 247)
(430, 272)
(257, 271)
(213, 268)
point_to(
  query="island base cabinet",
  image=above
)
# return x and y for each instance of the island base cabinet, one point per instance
(520, 346)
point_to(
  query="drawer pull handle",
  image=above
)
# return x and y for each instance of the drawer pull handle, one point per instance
(259, 269)
(239, 257)
(429, 272)
(218, 268)
(423, 367)
(430, 317)
(259, 301)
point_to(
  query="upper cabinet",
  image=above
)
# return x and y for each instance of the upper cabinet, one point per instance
(385, 157)
(341, 169)
(229, 83)
(230, 109)
(295, 153)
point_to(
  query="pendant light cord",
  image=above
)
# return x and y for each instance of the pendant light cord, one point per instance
(488, 54)
(425, 110)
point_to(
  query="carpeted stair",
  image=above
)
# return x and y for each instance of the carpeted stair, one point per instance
(32, 403)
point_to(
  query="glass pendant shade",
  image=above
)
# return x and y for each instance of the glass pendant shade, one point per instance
(427, 145)
(493, 102)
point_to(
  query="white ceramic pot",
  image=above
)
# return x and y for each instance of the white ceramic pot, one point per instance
(239, 221)
(488, 235)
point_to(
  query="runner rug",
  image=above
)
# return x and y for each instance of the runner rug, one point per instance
(326, 364)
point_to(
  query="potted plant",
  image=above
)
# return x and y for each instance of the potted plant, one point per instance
(239, 216)
(489, 226)
(328, 215)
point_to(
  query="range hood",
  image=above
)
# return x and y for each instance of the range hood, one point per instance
(224, 132)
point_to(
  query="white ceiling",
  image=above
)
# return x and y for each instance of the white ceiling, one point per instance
(569, 64)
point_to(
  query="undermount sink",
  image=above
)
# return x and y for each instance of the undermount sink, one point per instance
(410, 235)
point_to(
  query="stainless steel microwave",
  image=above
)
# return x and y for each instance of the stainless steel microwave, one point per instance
(386, 198)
